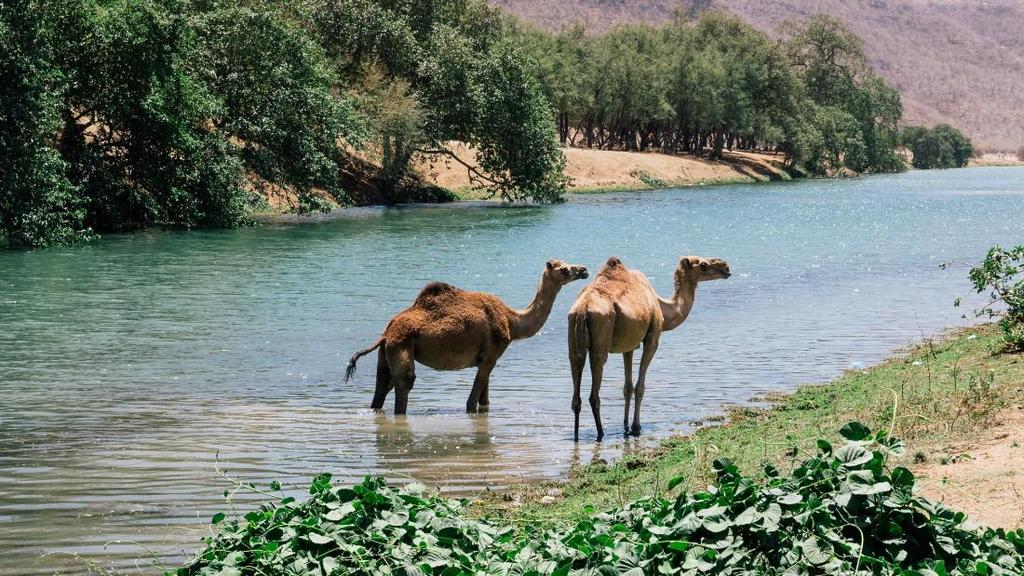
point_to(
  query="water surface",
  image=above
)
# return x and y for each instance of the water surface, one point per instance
(130, 365)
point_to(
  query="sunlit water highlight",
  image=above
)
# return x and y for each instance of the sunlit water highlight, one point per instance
(129, 364)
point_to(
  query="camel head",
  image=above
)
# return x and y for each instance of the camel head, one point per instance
(698, 269)
(560, 273)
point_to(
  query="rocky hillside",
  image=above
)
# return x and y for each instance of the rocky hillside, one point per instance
(957, 61)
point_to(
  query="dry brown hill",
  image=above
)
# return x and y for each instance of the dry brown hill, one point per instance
(956, 61)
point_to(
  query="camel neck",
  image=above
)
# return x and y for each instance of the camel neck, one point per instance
(676, 310)
(526, 323)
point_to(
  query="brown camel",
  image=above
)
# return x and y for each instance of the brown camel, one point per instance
(618, 312)
(450, 329)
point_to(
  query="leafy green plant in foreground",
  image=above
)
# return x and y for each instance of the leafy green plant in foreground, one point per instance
(843, 511)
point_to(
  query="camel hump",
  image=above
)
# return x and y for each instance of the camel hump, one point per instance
(613, 268)
(434, 290)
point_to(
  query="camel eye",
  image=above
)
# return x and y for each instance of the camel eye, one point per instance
(565, 272)
(703, 264)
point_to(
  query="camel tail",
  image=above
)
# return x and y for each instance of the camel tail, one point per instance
(579, 336)
(350, 370)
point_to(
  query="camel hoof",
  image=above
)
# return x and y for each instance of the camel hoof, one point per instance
(600, 436)
(483, 408)
(635, 430)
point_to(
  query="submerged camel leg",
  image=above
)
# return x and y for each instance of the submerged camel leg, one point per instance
(483, 375)
(384, 383)
(485, 397)
(597, 360)
(579, 342)
(577, 359)
(403, 374)
(650, 347)
(484, 403)
(627, 388)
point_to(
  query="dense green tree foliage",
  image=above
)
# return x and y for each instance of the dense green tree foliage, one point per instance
(121, 114)
(701, 86)
(836, 75)
(38, 204)
(940, 147)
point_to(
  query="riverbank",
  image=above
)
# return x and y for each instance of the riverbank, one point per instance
(957, 405)
(996, 159)
(604, 170)
(589, 171)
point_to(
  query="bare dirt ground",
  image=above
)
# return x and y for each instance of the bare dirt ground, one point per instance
(996, 159)
(982, 475)
(609, 169)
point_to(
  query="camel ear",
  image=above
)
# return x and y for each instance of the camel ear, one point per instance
(686, 263)
(551, 264)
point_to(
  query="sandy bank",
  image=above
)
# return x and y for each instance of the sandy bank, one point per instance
(996, 159)
(597, 170)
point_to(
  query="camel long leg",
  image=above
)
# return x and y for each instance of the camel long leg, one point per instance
(483, 375)
(578, 343)
(627, 388)
(485, 396)
(384, 382)
(597, 359)
(402, 362)
(650, 347)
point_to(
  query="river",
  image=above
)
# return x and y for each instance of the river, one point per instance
(130, 365)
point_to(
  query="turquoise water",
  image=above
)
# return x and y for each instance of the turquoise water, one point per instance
(129, 364)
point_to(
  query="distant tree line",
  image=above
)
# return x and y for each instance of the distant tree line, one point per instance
(716, 83)
(119, 114)
(940, 147)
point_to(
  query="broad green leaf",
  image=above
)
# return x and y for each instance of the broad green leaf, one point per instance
(852, 456)
(855, 431)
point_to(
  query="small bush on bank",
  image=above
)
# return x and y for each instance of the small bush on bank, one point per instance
(648, 179)
(842, 511)
(1000, 274)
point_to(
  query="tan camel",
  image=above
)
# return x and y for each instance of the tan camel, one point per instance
(618, 312)
(450, 329)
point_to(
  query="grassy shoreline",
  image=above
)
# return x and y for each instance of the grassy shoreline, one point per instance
(939, 391)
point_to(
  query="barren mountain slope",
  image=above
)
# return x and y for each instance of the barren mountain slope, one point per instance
(959, 61)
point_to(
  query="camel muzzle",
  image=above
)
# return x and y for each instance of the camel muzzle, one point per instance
(582, 274)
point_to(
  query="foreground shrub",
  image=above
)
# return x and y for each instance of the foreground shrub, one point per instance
(1000, 275)
(843, 511)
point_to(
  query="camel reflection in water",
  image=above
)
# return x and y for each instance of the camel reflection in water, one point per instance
(464, 455)
(441, 451)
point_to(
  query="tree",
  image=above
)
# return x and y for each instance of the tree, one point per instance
(276, 96)
(963, 150)
(452, 59)
(515, 139)
(837, 76)
(39, 205)
(136, 129)
(940, 147)
(832, 140)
